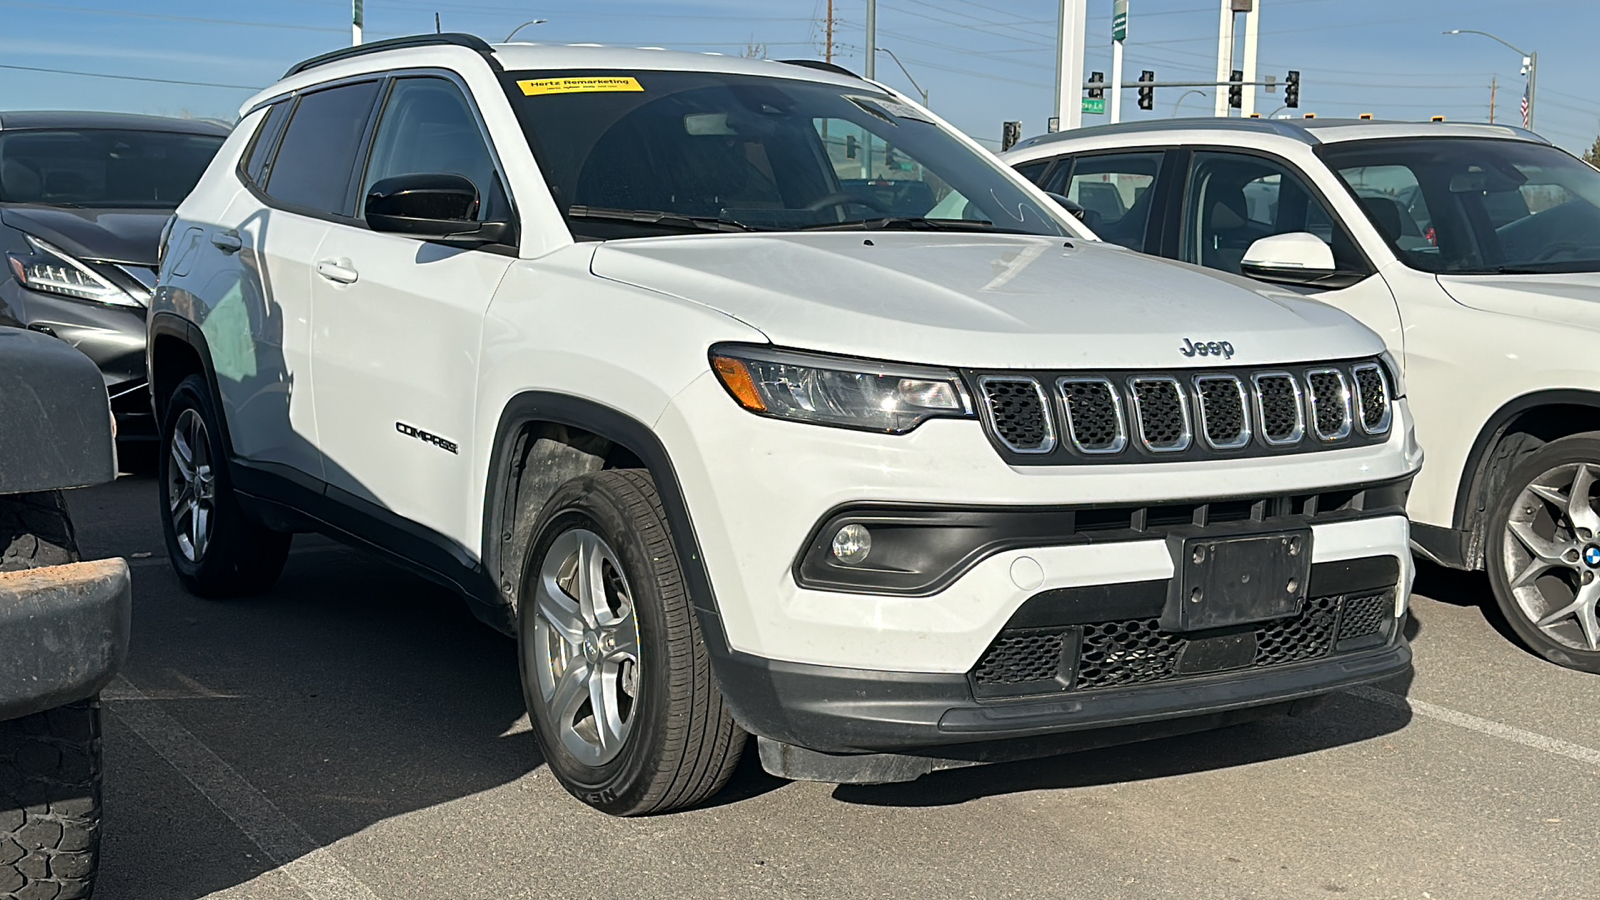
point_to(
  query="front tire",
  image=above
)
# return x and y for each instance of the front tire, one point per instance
(216, 550)
(614, 670)
(1543, 552)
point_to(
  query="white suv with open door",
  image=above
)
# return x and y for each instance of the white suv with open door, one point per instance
(756, 400)
(1473, 249)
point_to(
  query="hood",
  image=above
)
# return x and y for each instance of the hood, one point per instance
(1570, 299)
(114, 235)
(982, 301)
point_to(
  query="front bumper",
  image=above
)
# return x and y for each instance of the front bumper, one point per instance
(112, 336)
(63, 633)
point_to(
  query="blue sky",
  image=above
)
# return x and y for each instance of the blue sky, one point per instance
(982, 61)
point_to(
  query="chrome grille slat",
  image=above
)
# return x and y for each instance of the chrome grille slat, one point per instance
(1328, 395)
(1093, 411)
(1016, 409)
(1224, 419)
(1162, 411)
(1279, 408)
(1372, 398)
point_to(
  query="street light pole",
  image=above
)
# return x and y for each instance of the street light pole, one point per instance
(522, 26)
(872, 39)
(1185, 96)
(907, 74)
(1530, 60)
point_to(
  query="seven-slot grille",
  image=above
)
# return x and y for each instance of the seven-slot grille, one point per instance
(1058, 418)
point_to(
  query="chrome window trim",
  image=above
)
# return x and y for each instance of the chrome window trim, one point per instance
(1311, 398)
(1121, 441)
(1299, 432)
(1245, 432)
(1048, 445)
(1187, 438)
(1388, 399)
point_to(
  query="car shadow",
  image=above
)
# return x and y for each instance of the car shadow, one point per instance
(1465, 590)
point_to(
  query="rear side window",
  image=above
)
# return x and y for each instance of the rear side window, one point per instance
(255, 163)
(1033, 171)
(314, 162)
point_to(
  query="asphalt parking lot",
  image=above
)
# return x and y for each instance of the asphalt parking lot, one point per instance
(357, 734)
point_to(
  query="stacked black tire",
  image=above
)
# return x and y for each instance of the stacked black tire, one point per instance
(49, 761)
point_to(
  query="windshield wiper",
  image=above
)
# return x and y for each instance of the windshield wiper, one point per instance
(656, 217)
(914, 223)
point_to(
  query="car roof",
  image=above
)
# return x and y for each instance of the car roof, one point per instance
(453, 49)
(1305, 131)
(29, 119)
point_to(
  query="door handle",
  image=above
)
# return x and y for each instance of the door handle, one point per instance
(338, 271)
(226, 241)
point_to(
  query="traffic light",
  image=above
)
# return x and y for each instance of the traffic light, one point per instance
(1147, 93)
(1097, 78)
(1236, 89)
(1010, 133)
(1291, 90)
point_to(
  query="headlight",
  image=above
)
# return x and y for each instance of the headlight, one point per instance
(838, 391)
(51, 271)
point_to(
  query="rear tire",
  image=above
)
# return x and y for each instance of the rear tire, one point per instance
(215, 548)
(621, 641)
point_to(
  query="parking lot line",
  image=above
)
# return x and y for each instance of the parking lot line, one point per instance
(1576, 752)
(311, 866)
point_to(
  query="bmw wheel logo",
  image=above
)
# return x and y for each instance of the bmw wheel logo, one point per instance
(1591, 556)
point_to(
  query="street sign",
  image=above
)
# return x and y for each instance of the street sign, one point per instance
(1119, 20)
(1094, 106)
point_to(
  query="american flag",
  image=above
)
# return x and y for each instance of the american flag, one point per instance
(1525, 106)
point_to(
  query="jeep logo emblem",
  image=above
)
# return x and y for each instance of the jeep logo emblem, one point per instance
(1206, 348)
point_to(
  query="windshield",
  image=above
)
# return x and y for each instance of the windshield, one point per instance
(1476, 206)
(633, 153)
(93, 167)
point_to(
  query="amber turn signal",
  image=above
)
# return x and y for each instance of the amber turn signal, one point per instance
(736, 378)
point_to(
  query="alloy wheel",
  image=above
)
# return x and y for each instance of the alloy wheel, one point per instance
(585, 650)
(191, 485)
(1551, 548)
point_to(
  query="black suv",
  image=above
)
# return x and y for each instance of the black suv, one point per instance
(83, 199)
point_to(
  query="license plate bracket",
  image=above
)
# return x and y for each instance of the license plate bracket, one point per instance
(1225, 577)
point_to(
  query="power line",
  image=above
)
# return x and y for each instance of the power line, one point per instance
(211, 84)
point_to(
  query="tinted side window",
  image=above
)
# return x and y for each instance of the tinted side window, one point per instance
(1235, 200)
(1116, 192)
(1033, 170)
(313, 165)
(428, 128)
(255, 162)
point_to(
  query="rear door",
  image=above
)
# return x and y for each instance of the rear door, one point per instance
(399, 322)
(297, 174)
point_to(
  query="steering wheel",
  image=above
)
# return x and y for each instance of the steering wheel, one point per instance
(1551, 251)
(828, 201)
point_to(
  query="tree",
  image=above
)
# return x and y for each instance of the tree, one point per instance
(754, 50)
(1593, 156)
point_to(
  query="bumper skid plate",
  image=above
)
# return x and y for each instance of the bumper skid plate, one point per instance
(64, 630)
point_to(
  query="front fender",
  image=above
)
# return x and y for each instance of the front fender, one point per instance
(56, 430)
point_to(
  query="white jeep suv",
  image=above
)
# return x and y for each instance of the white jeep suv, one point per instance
(662, 361)
(1473, 249)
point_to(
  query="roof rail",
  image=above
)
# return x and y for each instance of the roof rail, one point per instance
(819, 64)
(449, 39)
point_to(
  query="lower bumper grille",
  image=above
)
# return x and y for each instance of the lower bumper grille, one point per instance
(1136, 651)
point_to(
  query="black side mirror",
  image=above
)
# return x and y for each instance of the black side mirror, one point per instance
(1070, 206)
(434, 206)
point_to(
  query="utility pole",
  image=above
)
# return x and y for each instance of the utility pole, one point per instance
(828, 29)
(356, 21)
(1494, 85)
(1119, 34)
(872, 38)
(1069, 63)
(1252, 29)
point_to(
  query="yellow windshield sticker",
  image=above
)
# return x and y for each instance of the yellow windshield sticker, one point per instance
(578, 86)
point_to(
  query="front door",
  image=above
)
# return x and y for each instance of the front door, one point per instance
(398, 325)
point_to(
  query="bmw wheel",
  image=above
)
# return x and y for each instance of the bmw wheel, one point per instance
(1544, 558)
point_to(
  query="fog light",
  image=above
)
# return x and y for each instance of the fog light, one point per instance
(852, 544)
